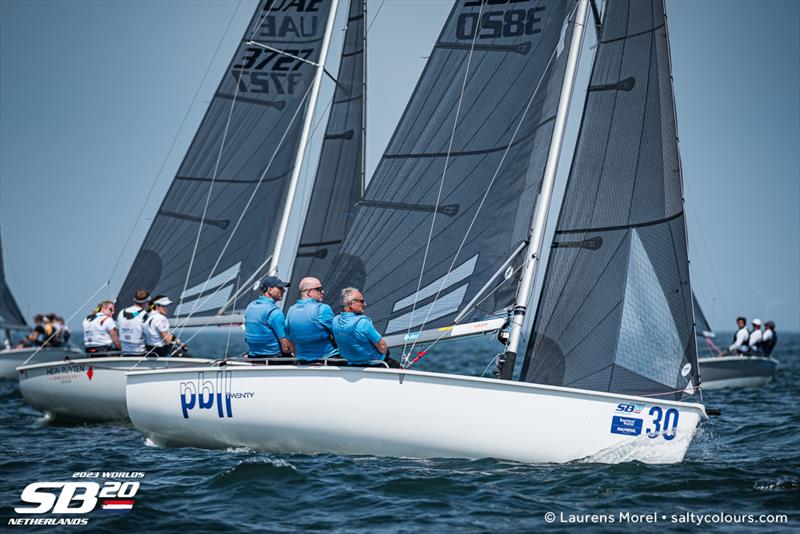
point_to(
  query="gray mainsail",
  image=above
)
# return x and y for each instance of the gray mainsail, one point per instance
(10, 315)
(340, 172)
(485, 149)
(615, 312)
(239, 163)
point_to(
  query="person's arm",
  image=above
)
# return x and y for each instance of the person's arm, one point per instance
(163, 329)
(114, 333)
(375, 338)
(278, 322)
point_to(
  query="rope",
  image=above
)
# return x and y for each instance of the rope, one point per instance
(483, 200)
(71, 317)
(439, 197)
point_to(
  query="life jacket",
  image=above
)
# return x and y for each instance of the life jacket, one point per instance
(130, 322)
(353, 343)
(261, 339)
(95, 332)
(152, 336)
(768, 344)
(313, 340)
(746, 339)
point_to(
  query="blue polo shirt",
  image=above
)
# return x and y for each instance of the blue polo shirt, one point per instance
(356, 337)
(264, 327)
(310, 324)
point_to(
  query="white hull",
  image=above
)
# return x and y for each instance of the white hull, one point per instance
(13, 358)
(736, 371)
(402, 413)
(87, 389)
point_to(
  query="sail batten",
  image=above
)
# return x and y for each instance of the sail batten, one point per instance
(615, 311)
(10, 314)
(239, 163)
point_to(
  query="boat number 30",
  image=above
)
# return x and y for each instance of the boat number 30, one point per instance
(664, 423)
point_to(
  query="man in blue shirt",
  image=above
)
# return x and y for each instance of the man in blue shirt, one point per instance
(309, 324)
(264, 323)
(359, 343)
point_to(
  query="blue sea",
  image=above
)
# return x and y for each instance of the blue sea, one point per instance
(741, 473)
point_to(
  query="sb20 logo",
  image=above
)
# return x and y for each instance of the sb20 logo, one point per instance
(75, 497)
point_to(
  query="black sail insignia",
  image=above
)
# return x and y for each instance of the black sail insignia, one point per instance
(240, 161)
(617, 316)
(10, 315)
(338, 185)
(494, 166)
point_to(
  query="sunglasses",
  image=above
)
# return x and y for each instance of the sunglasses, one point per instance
(359, 300)
(321, 290)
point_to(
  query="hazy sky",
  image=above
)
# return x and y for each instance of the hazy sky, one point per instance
(93, 93)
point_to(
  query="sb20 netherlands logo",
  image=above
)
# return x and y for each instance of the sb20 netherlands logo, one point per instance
(76, 498)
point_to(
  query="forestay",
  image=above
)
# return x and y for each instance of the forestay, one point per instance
(340, 172)
(478, 128)
(615, 312)
(238, 166)
(10, 315)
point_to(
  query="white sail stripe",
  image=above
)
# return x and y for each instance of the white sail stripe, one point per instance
(446, 305)
(456, 275)
(218, 280)
(205, 303)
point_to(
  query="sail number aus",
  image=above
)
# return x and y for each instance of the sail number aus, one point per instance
(494, 24)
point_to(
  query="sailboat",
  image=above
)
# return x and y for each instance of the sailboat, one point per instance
(12, 320)
(445, 245)
(719, 370)
(241, 171)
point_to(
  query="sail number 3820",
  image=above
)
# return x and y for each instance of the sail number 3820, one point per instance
(664, 423)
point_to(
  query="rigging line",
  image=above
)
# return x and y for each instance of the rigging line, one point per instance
(489, 294)
(71, 317)
(377, 11)
(174, 140)
(439, 193)
(488, 188)
(300, 107)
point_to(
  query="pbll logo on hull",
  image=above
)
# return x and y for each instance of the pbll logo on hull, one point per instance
(207, 394)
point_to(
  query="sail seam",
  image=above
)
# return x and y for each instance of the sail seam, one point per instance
(639, 34)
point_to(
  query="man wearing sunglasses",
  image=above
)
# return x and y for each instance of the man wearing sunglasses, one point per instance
(359, 343)
(309, 324)
(264, 324)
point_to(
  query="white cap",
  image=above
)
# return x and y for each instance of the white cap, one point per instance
(757, 322)
(163, 301)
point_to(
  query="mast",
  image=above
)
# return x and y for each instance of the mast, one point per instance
(364, 104)
(539, 222)
(298, 163)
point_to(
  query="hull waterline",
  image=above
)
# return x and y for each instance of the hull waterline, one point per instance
(87, 389)
(736, 371)
(13, 358)
(403, 413)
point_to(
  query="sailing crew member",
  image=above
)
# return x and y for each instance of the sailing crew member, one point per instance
(769, 338)
(157, 337)
(740, 338)
(62, 329)
(309, 324)
(100, 333)
(130, 322)
(264, 323)
(755, 337)
(359, 343)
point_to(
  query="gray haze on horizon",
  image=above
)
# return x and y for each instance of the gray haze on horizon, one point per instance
(93, 93)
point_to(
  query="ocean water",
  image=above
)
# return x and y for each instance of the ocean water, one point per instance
(741, 473)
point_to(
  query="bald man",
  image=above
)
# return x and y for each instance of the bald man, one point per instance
(309, 324)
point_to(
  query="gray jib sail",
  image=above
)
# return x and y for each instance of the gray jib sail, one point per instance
(705, 347)
(245, 147)
(10, 315)
(340, 171)
(503, 132)
(615, 313)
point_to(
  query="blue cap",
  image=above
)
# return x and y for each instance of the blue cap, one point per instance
(272, 281)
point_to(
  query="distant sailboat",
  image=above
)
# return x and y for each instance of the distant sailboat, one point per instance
(11, 319)
(222, 223)
(446, 241)
(719, 370)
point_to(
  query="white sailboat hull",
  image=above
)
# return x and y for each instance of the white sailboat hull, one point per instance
(13, 358)
(87, 389)
(736, 371)
(401, 413)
